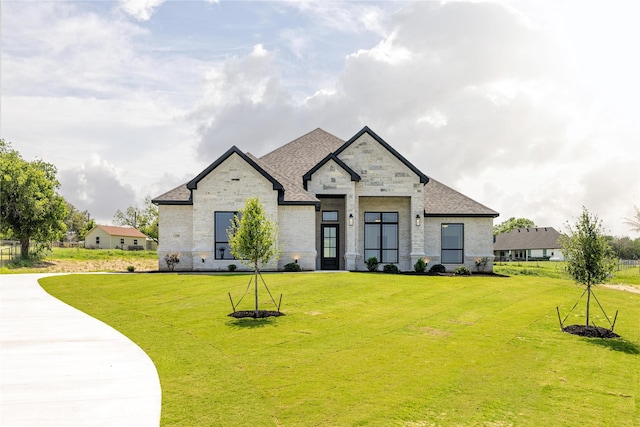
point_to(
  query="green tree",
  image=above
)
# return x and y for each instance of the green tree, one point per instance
(144, 219)
(511, 224)
(634, 222)
(590, 260)
(252, 238)
(30, 207)
(76, 221)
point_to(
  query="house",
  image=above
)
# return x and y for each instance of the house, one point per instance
(524, 244)
(110, 237)
(336, 204)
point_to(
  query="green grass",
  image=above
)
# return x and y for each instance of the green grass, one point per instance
(358, 349)
(82, 254)
(77, 257)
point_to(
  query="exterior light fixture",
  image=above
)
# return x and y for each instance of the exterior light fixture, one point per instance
(418, 220)
(295, 260)
(221, 253)
(351, 219)
(202, 259)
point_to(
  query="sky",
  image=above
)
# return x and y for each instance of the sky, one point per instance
(531, 108)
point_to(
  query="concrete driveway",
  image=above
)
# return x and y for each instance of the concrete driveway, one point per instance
(61, 367)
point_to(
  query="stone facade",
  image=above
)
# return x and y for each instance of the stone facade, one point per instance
(302, 181)
(478, 241)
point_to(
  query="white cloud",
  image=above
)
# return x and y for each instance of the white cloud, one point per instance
(485, 98)
(142, 10)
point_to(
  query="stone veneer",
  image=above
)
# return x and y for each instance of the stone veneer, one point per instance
(478, 240)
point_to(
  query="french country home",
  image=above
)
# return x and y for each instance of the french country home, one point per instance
(336, 204)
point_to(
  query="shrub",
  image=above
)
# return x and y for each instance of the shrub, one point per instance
(390, 269)
(462, 271)
(372, 264)
(172, 260)
(437, 268)
(131, 269)
(420, 266)
(481, 263)
(292, 266)
(232, 267)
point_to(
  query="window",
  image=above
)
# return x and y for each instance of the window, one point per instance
(381, 236)
(135, 241)
(329, 215)
(452, 243)
(97, 240)
(122, 241)
(222, 223)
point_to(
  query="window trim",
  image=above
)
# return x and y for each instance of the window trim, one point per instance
(332, 211)
(382, 251)
(442, 245)
(216, 253)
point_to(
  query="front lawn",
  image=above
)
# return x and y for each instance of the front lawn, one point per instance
(373, 349)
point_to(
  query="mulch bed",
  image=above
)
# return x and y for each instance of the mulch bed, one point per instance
(590, 331)
(252, 313)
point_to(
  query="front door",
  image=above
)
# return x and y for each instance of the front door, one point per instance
(329, 259)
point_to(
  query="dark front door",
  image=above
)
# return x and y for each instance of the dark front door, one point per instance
(329, 259)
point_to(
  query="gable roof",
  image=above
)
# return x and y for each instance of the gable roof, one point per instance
(290, 167)
(297, 157)
(120, 231)
(193, 184)
(528, 238)
(307, 176)
(423, 178)
(440, 200)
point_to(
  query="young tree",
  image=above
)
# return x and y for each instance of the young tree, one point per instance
(252, 238)
(511, 224)
(30, 207)
(589, 257)
(145, 219)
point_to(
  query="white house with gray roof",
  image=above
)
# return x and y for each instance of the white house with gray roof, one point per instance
(336, 204)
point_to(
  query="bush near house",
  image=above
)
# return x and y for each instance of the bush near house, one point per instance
(438, 268)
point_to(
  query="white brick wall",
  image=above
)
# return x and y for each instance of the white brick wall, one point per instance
(297, 236)
(175, 235)
(478, 240)
(226, 189)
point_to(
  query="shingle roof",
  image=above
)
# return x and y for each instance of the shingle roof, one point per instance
(528, 238)
(440, 200)
(180, 195)
(121, 231)
(299, 156)
(288, 165)
(293, 191)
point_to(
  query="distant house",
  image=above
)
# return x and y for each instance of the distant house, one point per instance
(110, 237)
(524, 244)
(337, 203)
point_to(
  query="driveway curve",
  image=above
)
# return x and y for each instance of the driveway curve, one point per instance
(61, 367)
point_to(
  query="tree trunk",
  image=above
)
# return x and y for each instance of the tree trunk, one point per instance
(256, 287)
(24, 248)
(588, 301)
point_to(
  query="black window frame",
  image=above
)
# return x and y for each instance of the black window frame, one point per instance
(384, 253)
(224, 242)
(337, 215)
(450, 249)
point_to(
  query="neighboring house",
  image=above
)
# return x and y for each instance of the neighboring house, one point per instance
(110, 237)
(524, 244)
(336, 204)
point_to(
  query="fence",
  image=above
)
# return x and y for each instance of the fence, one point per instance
(625, 264)
(9, 251)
